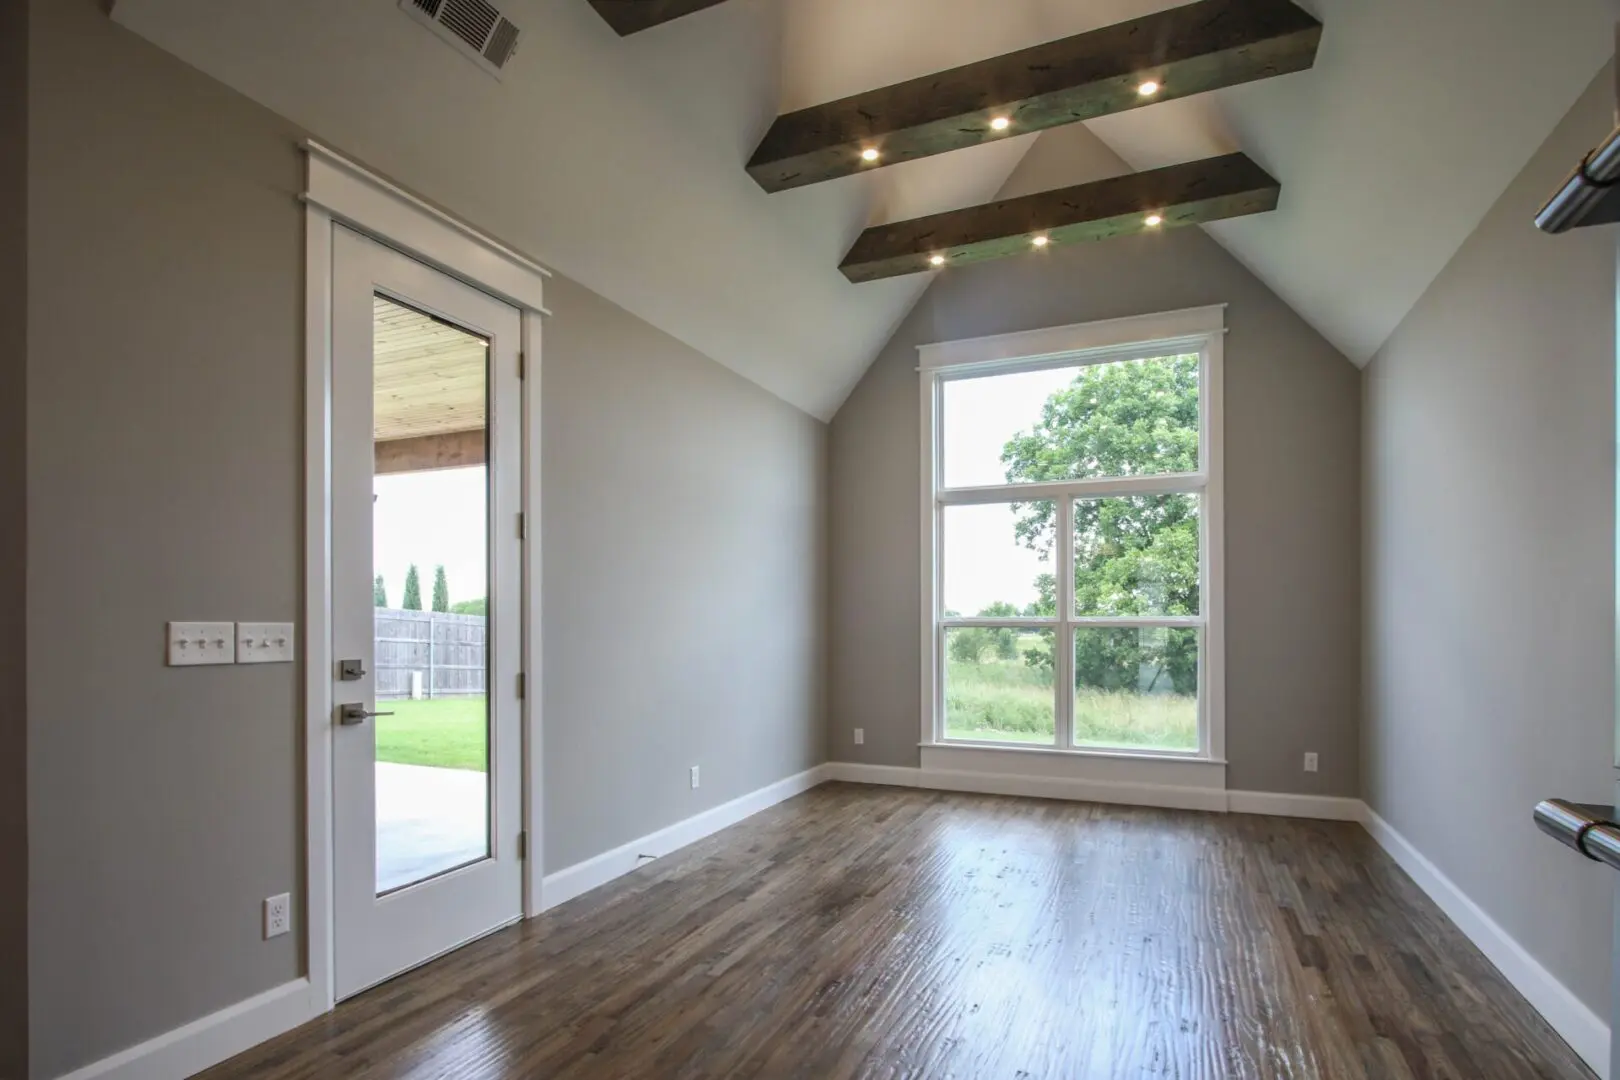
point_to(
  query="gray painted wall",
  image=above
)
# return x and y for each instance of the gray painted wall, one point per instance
(685, 580)
(164, 482)
(13, 539)
(1292, 448)
(684, 523)
(1490, 457)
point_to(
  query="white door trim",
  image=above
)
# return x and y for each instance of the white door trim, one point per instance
(369, 204)
(319, 905)
(339, 191)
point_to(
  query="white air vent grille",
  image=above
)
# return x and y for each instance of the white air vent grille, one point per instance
(475, 28)
(502, 43)
(470, 20)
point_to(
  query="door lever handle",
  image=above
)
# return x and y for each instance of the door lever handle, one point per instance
(356, 713)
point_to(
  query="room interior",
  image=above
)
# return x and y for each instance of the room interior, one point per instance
(748, 250)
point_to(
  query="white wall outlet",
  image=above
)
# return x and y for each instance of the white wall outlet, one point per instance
(695, 778)
(1310, 762)
(194, 643)
(277, 916)
(264, 643)
(860, 736)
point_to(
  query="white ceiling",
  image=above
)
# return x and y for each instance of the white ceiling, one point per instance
(619, 162)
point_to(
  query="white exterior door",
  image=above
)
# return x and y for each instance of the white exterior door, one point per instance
(426, 482)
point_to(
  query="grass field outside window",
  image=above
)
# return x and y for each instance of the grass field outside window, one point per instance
(1011, 700)
(445, 733)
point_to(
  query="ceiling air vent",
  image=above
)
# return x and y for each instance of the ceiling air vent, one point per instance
(474, 28)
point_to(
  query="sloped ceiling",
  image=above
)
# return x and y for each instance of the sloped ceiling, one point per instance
(619, 162)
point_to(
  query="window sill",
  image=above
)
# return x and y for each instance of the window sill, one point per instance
(1076, 752)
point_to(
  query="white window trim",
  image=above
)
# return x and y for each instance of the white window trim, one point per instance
(1196, 329)
(339, 191)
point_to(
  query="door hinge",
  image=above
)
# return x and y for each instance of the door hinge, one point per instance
(522, 685)
(523, 365)
(523, 844)
(523, 526)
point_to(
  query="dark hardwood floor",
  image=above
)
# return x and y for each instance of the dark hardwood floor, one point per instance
(879, 932)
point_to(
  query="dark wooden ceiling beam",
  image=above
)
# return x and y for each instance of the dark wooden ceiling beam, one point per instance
(632, 16)
(1191, 194)
(1186, 50)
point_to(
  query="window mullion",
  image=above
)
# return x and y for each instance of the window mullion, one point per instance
(1063, 640)
(1101, 488)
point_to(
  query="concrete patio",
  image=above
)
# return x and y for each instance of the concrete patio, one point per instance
(428, 821)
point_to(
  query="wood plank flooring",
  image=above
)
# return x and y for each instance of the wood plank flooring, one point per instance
(880, 932)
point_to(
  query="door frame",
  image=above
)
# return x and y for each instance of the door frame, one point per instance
(338, 191)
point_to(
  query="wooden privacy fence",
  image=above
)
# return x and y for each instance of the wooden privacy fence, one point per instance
(431, 654)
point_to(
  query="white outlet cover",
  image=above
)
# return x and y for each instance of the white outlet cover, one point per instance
(277, 916)
(264, 643)
(860, 736)
(696, 778)
(195, 643)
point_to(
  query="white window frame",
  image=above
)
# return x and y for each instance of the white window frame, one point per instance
(1197, 330)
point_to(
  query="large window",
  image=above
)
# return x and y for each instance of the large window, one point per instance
(1072, 595)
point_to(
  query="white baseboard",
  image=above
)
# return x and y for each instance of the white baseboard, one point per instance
(581, 878)
(1040, 787)
(1277, 804)
(204, 1043)
(1117, 792)
(1586, 1032)
(884, 775)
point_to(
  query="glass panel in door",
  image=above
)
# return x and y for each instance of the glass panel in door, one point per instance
(430, 554)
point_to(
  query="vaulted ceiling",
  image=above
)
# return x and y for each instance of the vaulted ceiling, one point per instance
(621, 162)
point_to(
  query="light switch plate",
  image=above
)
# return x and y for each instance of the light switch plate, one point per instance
(194, 643)
(264, 643)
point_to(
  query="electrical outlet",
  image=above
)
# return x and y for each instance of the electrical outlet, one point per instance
(277, 916)
(1310, 762)
(195, 643)
(695, 778)
(860, 736)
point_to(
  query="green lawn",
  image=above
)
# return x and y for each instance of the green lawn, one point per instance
(448, 733)
(991, 701)
(1009, 701)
